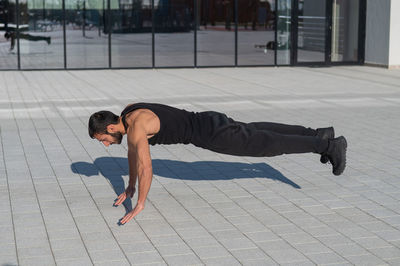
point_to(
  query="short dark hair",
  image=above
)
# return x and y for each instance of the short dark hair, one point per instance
(99, 121)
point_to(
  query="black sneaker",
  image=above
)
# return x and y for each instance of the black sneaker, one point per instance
(337, 154)
(325, 133)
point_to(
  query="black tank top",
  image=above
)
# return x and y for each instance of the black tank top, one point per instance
(176, 125)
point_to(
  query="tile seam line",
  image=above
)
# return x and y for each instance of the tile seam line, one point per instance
(9, 196)
(30, 172)
(97, 207)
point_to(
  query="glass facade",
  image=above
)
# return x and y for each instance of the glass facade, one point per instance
(345, 30)
(87, 34)
(8, 40)
(216, 33)
(283, 32)
(41, 35)
(131, 42)
(311, 35)
(256, 32)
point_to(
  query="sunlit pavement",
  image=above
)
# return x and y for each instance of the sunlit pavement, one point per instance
(57, 186)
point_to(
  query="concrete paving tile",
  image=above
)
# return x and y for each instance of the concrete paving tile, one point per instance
(188, 259)
(72, 253)
(226, 261)
(365, 260)
(349, 250)
(386, 252)
(262, 236)
(265, 261)
(248, 254)
(10, 260)
(113, 263)
(138, 247)
(72, 262)
(371, 242)
(107, 255)
(202, 242)
(312, 248)
(38, 261)
(238, 243)
(43, 251)
(326, 258)
(144, 257)
(211, 252)
(173, 250)
(286, 256)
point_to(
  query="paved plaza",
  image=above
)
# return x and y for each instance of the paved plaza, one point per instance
(57, 186)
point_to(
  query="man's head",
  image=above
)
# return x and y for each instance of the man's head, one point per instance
(103, 127)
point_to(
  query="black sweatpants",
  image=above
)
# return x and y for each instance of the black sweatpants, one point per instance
(217, 132)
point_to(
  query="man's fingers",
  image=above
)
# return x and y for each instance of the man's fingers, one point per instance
(120, 199)
(127, 218)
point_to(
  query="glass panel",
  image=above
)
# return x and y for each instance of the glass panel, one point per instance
(132, 34)
(87, 41)
(311, 31)
(216, 33)
(256, 33)
(345, 30)
(174, 38)
(41, 38)
(284, 31)
(8, 46)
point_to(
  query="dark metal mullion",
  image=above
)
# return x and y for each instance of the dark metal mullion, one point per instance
(294, 31)
(195, 32)
(328, 31)
(153, 61)
(236, 32)
(361, 31)
(64, 35)
(109, 32)
(17, 34)
(276, 33)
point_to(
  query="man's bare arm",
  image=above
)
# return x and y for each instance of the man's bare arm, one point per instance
(131, 188)
(139, 149)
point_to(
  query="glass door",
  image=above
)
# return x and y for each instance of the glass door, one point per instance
(345, 17)
(311, 31)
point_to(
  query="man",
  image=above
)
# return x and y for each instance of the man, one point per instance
(148, 123)
(12, 35)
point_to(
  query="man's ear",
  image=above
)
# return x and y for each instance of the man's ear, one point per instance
(111, 128)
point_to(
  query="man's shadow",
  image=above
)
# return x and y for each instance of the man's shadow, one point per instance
(113, 168)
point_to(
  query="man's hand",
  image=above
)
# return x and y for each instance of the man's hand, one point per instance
(138, 208)
(129, 192)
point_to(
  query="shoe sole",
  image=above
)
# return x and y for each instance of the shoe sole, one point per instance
(342, 166)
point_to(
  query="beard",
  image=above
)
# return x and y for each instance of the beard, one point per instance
(117, 137)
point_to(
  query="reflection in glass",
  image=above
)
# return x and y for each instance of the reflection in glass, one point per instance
(132, 34)
(87, 37)
(256, 33)
(41, 39)
(174, 38)
(215, 33)
(8, 23)
(345, 30)
(311, 31)
(283, 45)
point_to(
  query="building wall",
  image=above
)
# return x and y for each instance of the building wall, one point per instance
(377, 32)
(394, 48)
